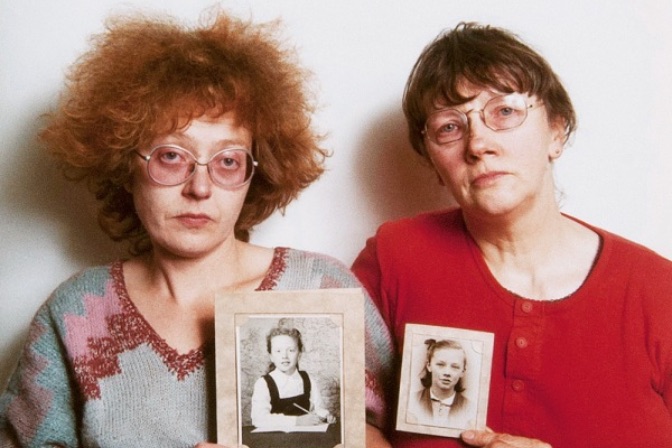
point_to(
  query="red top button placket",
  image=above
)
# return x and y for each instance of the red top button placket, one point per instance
(522, 356)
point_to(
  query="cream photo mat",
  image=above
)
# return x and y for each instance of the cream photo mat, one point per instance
(478, 348)
(342, 307)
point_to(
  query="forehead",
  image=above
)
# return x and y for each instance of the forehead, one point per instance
(449, 354)
(283, 340)
(177, 116)
(464, 91)
(207, 131)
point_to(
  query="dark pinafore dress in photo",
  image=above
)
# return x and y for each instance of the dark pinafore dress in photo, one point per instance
(287, 405)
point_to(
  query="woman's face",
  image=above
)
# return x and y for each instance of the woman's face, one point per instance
(197, 217)
(495, 173)
(446, 367)
(284, 353)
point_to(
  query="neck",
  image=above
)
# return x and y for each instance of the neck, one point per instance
(191, 279)
(442, 394)
(288, 372)
(515, 233)
(541, 255)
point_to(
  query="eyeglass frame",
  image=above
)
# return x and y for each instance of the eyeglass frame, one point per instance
(196, 162)
(465, 116)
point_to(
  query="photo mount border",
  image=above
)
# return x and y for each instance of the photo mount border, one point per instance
(441, 332)
(232, 309)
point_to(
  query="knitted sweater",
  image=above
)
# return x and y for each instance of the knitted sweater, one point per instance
(94, 373)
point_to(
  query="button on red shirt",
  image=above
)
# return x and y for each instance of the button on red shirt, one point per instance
(518, 385)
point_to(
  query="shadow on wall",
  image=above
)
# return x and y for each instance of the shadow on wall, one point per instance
(395, 180)
(35, 191)
(40, 207)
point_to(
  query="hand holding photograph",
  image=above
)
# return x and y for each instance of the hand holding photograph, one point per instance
(283, 376)
(445, 380)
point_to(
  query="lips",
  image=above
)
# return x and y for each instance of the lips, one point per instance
(193, 220)
(488, 178)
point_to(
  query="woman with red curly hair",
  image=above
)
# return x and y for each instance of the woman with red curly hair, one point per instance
(188, 137)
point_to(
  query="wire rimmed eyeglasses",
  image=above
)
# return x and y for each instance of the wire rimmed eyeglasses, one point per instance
(499, 114)
(171, 165)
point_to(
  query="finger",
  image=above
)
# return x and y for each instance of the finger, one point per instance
(477, 438)
(209, 445)
(492, 439)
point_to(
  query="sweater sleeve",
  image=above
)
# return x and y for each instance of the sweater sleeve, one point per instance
(380, 354)
(38, 407)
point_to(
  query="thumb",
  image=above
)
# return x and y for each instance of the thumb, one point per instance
(473, 437)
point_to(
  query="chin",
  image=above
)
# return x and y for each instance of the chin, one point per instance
(190, 252)
(187, 247)
(493, 207)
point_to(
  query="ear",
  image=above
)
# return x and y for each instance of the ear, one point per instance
(429, 369)
(558, 139)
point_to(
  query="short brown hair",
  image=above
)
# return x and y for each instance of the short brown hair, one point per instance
(147, 75)
(484, 56)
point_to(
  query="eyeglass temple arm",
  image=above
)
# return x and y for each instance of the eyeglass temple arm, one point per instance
(142, 156)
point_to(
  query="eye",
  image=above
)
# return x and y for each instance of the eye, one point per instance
(230, 160)
(505, 111)
(167, 155)
(448, 128)
(447, 131)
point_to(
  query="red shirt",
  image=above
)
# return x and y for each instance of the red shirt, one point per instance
(591, 370)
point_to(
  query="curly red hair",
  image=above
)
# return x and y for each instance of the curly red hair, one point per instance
(148, 75)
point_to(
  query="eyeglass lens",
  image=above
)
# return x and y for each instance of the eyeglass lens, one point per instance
(500, 113)
(171, 165)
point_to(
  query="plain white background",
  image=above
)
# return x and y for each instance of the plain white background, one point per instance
(613, 55)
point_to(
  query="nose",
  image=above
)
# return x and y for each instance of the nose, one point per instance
(477, 142)
(199, 185)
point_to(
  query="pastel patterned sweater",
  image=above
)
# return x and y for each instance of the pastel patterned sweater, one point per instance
(94, 372)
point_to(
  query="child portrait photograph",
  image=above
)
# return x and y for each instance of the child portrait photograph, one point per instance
(444, 381)
(284, 378)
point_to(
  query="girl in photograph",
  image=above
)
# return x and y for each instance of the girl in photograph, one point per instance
(441, 402)
(287, 396)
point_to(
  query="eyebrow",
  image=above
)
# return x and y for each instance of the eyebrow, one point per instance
(491, 94)
(186, 142)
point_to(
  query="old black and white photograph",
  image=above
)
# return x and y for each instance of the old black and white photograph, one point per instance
(283, 373)
(444, 381)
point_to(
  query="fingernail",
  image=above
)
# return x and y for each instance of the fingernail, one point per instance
(468, 435)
